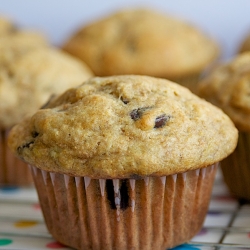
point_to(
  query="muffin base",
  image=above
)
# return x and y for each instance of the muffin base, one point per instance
(236, 168)
(13, 171)
(149, 213)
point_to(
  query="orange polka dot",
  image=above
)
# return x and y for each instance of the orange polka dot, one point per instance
(23, 223)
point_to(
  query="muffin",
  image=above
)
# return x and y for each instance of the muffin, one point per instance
(6, 26)
(126, 162)
(144, 42)
(28, 78)
(228, 88)
(16, 44)
(245, 44)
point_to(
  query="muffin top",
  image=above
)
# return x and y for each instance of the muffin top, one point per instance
(28, 79)
(142, 42)
(228, 88)
(124, 127)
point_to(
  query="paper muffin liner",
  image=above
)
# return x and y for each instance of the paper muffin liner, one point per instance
(236, 168)
(149, 213)
(13, 171)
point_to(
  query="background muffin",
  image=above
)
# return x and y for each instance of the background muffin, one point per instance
(30, 72)
(245, 44)
(228, 87)
(6, 26)
(144, 42)
(127, 162)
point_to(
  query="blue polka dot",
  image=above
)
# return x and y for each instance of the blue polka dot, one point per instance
(186, 247)
(9, 189)
(214, 213)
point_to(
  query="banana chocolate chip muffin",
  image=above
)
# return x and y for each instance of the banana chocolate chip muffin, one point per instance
(228, 87)
(126, 162)
(28, 78)
(14, 43)
(144, 42)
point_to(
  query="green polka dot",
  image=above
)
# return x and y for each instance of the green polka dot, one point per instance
(4, 242)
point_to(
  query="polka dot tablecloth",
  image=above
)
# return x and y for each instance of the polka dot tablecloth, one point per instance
(227, 224)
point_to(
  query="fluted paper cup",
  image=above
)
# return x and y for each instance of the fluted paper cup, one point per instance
(143, 213)
(13, 171)
(236, 168)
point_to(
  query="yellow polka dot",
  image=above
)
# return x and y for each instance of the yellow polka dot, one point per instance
(23, 223)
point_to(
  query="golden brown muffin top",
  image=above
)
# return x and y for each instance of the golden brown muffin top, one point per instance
(28, 80)
(142, 42)
(123, 127)
(228, 87)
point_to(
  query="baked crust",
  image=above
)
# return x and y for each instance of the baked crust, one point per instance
(125, 127)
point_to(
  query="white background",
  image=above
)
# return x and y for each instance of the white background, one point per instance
(227, 21)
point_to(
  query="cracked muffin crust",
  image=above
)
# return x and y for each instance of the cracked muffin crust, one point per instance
(124, 127)
(143, 42)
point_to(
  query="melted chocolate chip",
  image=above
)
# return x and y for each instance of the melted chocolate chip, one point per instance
(27, 145)
(124, 203)
(136, 114)
(34, 134)
(161, 121)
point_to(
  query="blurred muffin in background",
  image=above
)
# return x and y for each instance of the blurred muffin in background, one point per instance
(30, 72)
(6, 26)
(228, 87)
(144, 42)
(16, 44)
(245, 44)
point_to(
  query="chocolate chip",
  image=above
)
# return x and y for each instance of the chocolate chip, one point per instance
(161, 120)
(27, 145)
(136, 114)
(34, 134)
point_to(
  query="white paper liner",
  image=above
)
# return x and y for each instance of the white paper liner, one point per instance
(158, 213)
(13, 171)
